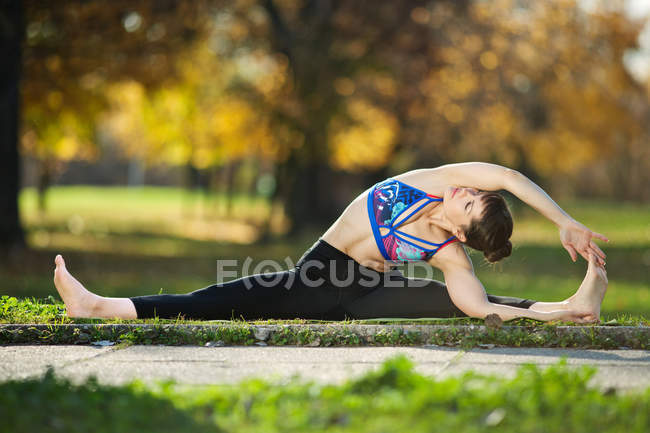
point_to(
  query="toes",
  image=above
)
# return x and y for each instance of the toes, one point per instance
(593, 260)
(601, 273)
(58, 260)
(595, 264)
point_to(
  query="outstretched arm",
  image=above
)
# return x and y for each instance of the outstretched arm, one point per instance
(468, 294)
(575, 237)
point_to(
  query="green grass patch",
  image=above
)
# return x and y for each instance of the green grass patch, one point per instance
(52, 311)
(45, 323)
(393, 398)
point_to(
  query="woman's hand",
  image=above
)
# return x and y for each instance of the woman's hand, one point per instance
(577, 239)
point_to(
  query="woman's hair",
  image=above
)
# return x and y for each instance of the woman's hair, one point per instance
(491, 233)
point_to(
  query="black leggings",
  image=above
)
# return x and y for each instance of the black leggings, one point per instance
(325, 284)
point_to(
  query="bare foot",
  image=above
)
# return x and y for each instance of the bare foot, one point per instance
(591, 292)
(79, 302)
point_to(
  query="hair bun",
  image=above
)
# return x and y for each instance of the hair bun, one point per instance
(496, 255)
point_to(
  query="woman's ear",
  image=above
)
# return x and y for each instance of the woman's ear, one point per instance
(460, 234)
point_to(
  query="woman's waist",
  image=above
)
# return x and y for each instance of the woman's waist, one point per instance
(323, 257)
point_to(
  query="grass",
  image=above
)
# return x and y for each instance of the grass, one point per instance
(126, 242)
(52, 311)
(45, 323)
(390, 399)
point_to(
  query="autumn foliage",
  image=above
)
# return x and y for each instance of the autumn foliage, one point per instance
(310, 87)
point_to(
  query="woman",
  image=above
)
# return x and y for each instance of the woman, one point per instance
(421, 215)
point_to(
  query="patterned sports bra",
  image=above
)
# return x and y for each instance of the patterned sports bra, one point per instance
(387, 201)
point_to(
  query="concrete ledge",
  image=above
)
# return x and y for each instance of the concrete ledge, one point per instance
(591, 337)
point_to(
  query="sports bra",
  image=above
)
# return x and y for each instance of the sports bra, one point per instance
(387, 201)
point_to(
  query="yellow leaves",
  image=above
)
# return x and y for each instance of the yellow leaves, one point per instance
(527, 83)
(236, 126)
(67, 148)
(472, 44)
(192, 120)
(179, 125)
(560, 151)
(385, 85)
(499, 43)
(54, 100)
(344, 86)
(53, 63)
(441, 14)
(126, 93)
(125, 121)
(365, 144)
(453, 113)
(231, 116)
(526, 51)
(498, 120)
(452, 55)
(539, 36)
(237, 31)
(489, 60)
(456, 82)
(420, 15)
(173, 103)
(58, 134)
(538, 81)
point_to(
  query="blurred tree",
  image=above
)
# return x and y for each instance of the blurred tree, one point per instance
(75, 49)
(540, 86)
(192, 121)
(12, 27)
(340, 101)
(317, 87)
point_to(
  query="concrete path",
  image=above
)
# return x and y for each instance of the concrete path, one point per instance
(621, 369)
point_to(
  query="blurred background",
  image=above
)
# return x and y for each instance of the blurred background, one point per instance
(147, 139)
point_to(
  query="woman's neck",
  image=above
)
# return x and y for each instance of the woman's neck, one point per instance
(437, 218)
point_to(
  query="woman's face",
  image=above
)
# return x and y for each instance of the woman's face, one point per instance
(462, 205)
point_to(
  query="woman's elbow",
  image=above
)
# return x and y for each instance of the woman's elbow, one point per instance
(511, 177)
(511, 173)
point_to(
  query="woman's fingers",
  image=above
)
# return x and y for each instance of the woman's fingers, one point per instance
(589, 254)
(596, 257)
(572, 252)
(596, 249)
(599, 236)
(585, 254)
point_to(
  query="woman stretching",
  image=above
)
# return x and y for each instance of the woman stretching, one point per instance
(349, 272)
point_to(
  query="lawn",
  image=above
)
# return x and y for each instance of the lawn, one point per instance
(393, 398)
(125, 242)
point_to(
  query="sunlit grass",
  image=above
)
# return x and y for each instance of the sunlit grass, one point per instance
(100, 211)
(624, 223)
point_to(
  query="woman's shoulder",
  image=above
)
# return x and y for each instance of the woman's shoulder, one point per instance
(453, 256)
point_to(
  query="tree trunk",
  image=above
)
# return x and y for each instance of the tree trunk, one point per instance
(12, 29)
(310, 203)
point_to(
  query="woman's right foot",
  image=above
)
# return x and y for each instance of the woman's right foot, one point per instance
(79, 302)
(591, 292)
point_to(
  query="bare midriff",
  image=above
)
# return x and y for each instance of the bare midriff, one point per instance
(352, 233)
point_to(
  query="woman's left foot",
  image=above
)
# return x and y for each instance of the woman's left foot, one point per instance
(79, 302)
